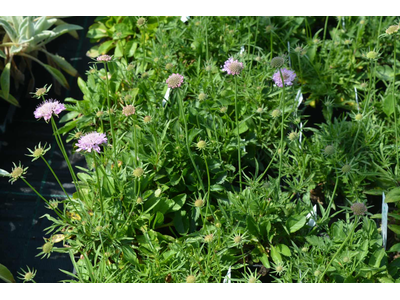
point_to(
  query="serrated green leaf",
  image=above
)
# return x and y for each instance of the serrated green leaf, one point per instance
(387, 105)
(5, 80)
(63, 64)
(4, 173)
(6, 275)
(295, 223)
(393, 195)
(394, 248)
(10, 99)
(276, 257)
(283, 249)
(394, 228)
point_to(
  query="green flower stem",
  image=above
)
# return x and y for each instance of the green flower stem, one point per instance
(238, 136)
(341, 247)
(208, 186)
(64, 153)
(395, 102)
(183, 117)
(98, 181)
(55, 176)
(282, 124)
(56, 210)
(109, 114)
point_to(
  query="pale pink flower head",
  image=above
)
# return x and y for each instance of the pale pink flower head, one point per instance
(103, 58)
(288, 77)
(91, 141)
(233, 67)
(48, 108)
(174, 81)
(128, 110)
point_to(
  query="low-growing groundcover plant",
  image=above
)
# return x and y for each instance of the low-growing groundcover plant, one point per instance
(204, 165)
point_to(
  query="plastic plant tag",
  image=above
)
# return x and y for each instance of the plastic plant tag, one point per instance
(227, 278)
(301, 134)
(311, 222)
(299, 98)
(184, 19)
(385, 209)
(166, 97)
(358, 105)
(241, 50)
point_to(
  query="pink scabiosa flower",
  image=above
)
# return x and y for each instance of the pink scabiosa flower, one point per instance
(104, 58)
(91, 141)
(174, 81)
(48, 108)
(232, 67)
(288, 77)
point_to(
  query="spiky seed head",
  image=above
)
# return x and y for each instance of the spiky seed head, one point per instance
(358, 117)
(202, 96)
(359, 209)
(346, 259)
(329, 150)
(279, 268)
(208, 238)
(141, 22)
(347, 42)
(392, 29)
(252, 279)
(190, 279)
(41, 92)
(317, 273)
(218, 225)
(17, 173)
(147, 119)
(237, 239)
(130, 67)
(98, 228)
(199, 203)
(276, 113)
(156, 60)
(277, 62)
(258, 58)
(169, 66)
(145, 75)
(208, 68)
(260, 110)
(99, 114)
(128, 110)
(298, 49)
(138, 172)
(346, 169)
(46, 248)
(29, 276)
(139, 200)
(304, 249)
(223, 109)
(293, 136)
(78, 134)
(372, 55)
(201, 145)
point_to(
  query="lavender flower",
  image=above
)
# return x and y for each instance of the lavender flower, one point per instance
(104, 58)
(232, 67)
(174, 81)
(91, 141)
(48, 108)
(288, 77)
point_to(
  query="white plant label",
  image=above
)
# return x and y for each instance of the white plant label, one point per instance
(166, 97)
(311, 222)
(227, 278)
(385, 209)
(184, 19)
